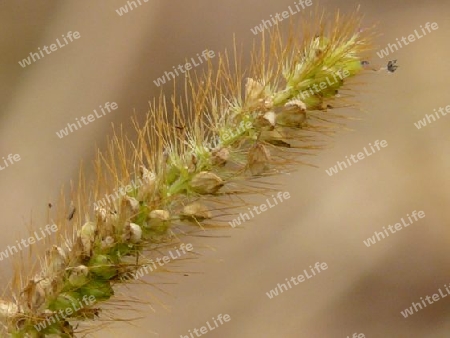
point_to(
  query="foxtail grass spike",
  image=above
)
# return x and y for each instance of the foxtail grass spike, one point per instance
(195, 153)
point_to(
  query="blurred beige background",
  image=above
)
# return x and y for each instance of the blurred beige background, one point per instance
(326, 219)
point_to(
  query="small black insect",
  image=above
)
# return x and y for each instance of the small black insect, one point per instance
(72, 212)
(392, 66)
